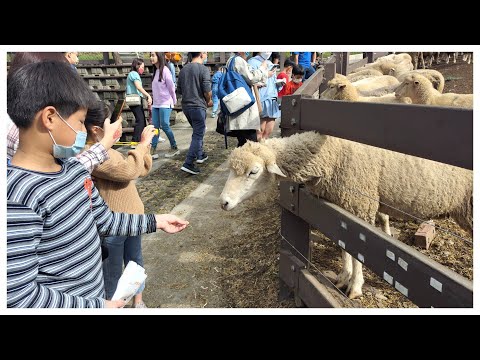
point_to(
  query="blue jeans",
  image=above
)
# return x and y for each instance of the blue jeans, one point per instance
(215, 99)
(161, 120)
(196, 117)
(121, 249)
(308, 72)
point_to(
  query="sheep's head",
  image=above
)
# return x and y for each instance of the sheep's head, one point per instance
(252, 167)
(335, 89)
(408, 87)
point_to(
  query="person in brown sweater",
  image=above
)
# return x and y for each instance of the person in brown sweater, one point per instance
(115, 180)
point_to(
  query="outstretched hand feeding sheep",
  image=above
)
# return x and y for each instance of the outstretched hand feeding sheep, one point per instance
(331, 168)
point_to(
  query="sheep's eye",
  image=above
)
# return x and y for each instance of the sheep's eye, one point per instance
(253, 172)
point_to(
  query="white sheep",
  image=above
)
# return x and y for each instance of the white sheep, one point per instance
(396, 58)
(434, 76)
(384, 66)
(339, 88)
(421, 91)
(375, 86)
(338, 170)
(363, 74)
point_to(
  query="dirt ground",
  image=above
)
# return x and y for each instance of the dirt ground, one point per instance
(458, 77)
(249, 263)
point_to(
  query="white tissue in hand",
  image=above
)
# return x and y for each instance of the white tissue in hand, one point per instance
(132, 278)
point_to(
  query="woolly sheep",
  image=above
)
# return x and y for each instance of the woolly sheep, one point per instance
(385, 66)
(396, 58)
(363, 74)
(342, 89)
(434, 76)
(337, 169)
(421, 91)
(376, 86)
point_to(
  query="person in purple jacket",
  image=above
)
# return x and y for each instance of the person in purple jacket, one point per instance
(164, 98)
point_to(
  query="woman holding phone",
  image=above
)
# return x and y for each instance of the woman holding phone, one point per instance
(115, 180)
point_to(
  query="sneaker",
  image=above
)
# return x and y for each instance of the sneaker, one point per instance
(173, 151)
(213, 114)
(160, 139)
(140, 305)
(153, 152)
(191, 169)
(205, 157)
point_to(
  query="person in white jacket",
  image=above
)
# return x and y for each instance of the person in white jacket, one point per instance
(246, 125)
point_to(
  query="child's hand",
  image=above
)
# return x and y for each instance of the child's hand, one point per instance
(170, 223)
(147, 135)
(114, 303)
(112, 132)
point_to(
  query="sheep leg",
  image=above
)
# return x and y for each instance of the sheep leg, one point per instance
(354, 289)
(384, 223)
(422, 60)
(345, 275)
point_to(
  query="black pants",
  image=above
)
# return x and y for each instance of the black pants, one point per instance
(244, 135)
(140, 121)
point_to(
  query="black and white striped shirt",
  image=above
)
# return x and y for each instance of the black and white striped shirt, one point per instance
(53, 237)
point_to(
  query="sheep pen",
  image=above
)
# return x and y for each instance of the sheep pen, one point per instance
(250, 275)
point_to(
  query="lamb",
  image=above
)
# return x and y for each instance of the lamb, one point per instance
(339, 88)
(434, 76)
(336, 169)
(421, 91)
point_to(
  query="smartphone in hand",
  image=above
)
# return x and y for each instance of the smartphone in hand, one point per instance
(117, 110)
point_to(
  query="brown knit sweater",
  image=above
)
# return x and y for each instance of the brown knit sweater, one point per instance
(114, 179)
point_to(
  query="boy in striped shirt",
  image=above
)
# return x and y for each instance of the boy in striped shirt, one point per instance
(54, 213)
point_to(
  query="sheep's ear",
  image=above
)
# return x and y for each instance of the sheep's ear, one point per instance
(274, 169)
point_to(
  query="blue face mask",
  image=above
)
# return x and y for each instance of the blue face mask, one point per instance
(63, 152)
(247, 54)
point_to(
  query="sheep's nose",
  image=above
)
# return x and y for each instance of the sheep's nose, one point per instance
(224, 205)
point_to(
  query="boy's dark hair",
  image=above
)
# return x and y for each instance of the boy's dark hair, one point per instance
(298, 70)
(275, 55)
(217, 67)
(23, 58)
(48, 83)
(136, 63)
(97, 114)
(288, 62)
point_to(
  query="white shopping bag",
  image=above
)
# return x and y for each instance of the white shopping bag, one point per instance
(132, 278)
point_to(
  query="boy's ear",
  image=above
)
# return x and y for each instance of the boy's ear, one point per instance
(47, 117)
